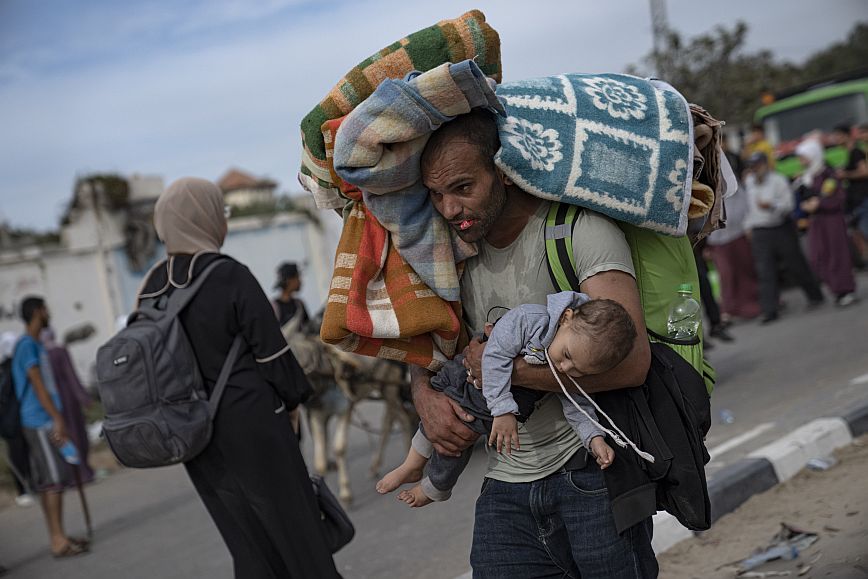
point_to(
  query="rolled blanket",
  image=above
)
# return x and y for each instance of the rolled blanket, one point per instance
(614, 143)
(377, 306)
(465, 37)
(378, 148)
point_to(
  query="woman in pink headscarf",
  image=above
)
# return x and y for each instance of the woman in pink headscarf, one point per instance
(822, 197)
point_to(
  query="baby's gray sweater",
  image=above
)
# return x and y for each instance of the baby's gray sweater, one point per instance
(528, 330)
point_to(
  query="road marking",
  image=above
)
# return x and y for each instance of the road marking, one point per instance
(740, 439)
(863, 379)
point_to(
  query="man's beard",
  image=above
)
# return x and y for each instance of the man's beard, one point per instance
(487, 219)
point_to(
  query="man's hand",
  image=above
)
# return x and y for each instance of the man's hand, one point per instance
(810, 205)
(443, 419)
(504, 433)
(58, 432)
(473, 358)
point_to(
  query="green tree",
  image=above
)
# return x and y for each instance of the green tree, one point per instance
(715, 71)
(851, 54)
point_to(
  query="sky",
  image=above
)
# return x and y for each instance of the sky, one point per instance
(171, 88)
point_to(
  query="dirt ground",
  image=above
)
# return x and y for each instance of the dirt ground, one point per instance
(831, 503)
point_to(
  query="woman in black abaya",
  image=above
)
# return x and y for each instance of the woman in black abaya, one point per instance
(251, 476)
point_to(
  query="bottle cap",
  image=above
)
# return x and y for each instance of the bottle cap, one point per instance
(685, 287)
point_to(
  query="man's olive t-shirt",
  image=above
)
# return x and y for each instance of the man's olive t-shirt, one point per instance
(499, 278)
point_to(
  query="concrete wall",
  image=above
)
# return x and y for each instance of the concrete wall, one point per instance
(96, 286)
(78, 287)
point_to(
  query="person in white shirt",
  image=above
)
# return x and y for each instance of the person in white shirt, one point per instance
(774, 237)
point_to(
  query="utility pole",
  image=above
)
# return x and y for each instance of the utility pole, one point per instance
(659, 30)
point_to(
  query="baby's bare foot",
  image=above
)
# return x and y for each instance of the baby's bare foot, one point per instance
(401, 475)
(414, 497)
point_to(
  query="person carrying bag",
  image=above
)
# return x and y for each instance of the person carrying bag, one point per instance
(215, 380)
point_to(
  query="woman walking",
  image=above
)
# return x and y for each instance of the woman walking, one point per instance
(251, 476)
(822, 197)
(733, 258)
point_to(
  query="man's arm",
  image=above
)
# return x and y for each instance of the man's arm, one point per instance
(35, 377)
(614, 285)
(860, 172)
(441, 416)
(784, 201)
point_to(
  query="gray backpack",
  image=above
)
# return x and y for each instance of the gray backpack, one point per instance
(158, 412)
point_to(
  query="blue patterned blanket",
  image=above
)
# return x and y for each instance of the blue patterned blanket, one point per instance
(614, 143)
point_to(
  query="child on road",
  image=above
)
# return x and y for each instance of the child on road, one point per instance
(580, 336)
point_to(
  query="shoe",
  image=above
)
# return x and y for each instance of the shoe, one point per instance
(768, 319)
(845, 300)
(24, 500)
(719, 332)
(814, 304)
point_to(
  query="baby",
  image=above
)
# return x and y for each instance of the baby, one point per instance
(583, 337)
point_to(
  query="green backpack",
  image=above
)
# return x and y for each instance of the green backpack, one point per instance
(662, 263)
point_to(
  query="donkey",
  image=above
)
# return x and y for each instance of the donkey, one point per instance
(341, 380)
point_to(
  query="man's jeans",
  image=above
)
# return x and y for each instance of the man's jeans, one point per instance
(559, 526)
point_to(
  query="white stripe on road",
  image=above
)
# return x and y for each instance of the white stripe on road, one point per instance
(740, 439)
(863, 379)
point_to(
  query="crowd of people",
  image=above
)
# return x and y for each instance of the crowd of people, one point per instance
(809, 233)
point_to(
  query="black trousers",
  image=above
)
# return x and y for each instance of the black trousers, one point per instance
(254, 483)
(780, 245)
(712, 310)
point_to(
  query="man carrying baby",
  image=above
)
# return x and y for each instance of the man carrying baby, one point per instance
(543, 510)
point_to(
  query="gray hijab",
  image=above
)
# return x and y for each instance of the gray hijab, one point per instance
(189, 217)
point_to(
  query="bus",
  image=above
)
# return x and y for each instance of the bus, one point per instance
(817, 107)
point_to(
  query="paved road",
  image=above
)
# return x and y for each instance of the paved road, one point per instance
(151, 524)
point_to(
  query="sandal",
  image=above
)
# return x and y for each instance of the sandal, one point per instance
(72, 549)
(80, 541)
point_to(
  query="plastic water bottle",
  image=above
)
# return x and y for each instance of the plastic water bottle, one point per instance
(69, 452)
(684, 314)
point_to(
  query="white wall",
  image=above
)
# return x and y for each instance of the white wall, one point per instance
(92, 286)
(77, 288)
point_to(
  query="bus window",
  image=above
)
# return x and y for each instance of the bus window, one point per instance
(792, 124)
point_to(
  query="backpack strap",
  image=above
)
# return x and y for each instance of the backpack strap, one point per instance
(181, 296)
(177, 302)
(560, 222)
(223, 378)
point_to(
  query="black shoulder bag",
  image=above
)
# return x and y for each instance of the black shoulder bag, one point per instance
(339, 530)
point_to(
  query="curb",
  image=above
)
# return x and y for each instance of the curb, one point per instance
(738, 482)
(769, 466)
